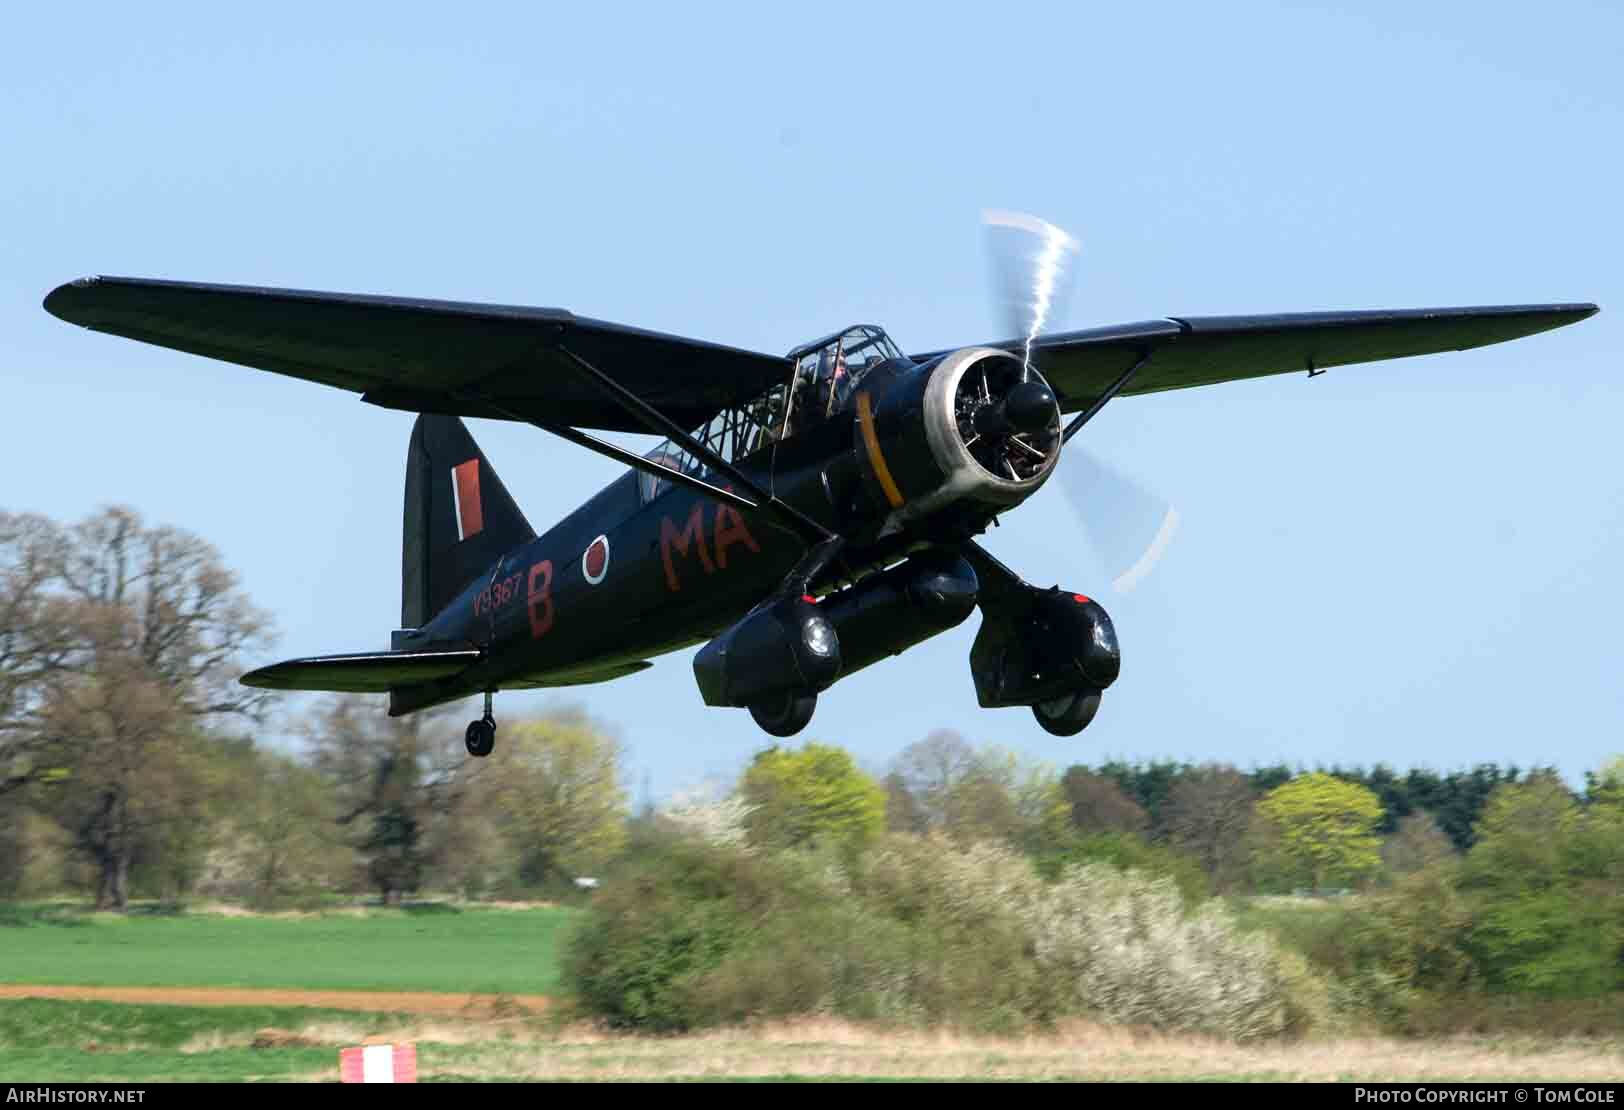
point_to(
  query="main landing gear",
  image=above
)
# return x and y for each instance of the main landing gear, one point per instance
(1067, 715)
(784, 714)
(481, 736)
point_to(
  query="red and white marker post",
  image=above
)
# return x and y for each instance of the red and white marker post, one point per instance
(378, 1063)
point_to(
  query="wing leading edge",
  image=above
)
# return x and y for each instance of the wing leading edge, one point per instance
(1189, 351)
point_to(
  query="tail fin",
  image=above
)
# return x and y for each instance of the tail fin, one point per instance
(459, 518)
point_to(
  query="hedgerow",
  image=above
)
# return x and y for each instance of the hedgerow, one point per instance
(921, 931)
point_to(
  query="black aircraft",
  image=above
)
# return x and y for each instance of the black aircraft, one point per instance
(807, 514)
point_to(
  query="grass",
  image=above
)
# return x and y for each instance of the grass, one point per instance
(52, 1041)
(90, 1042)
(426, 949)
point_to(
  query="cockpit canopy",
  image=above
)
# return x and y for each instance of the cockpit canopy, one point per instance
(823, 380)
(828, 369)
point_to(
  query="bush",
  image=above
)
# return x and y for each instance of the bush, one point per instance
(1385, 955)
(1469, 1013)
(967, 910)
(1123, 949)
(921, 931)
(1130, 852)
(652, 952)
(1561, 943)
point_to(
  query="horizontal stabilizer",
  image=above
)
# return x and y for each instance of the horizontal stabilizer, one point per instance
(580, 676)
(370, 672)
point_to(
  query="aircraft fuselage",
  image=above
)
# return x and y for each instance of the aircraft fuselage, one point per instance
(621, 579)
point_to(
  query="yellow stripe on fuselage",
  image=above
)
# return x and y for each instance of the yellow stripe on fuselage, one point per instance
(865, 419)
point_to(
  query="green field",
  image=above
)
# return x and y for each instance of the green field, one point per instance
(433, 948)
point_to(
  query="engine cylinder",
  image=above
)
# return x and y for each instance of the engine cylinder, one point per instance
(974, 430)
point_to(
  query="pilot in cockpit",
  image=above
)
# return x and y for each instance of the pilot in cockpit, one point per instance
(840, 374)
(834, 380)
(828, 376)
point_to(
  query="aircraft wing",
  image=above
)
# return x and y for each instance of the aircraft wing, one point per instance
(1189, 351)
(428, 356)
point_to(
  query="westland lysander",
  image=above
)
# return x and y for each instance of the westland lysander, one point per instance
(807, 514)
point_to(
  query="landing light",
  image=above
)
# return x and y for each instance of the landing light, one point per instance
(820, 637)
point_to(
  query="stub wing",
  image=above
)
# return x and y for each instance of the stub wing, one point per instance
(1188, 351)
(375, 672)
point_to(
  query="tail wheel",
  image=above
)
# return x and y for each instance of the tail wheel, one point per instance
(481, 737)
(785, 715)
(1069, 715)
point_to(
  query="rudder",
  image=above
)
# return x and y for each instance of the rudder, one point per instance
(459, 518)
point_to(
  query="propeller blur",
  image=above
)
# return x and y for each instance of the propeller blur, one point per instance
(1129, 527)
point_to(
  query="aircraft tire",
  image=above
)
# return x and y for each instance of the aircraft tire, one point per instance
(1068, 715)
(785, 715)
(481, 737)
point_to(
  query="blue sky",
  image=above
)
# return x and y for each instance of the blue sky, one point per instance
(1413, 562)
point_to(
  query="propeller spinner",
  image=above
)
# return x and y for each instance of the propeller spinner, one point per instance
(1129, 526)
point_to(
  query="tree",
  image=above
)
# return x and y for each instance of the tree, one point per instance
(815, 795)
(276, 836)
(1417, 845)
(1325, 828)
(559, 799)
(1265, 779)
(1547, 877)
(132, 769)
(707, 814)
(1606, 785)
(930, 770)
(982, 804)
(1207, 814)
(177, 604)
(1042, 814)
(903, 813)
(396, 779)
(38, 641)
(1522, 833)
(1149, 784)
(1390, 790)
(1098, 804)
(942, 784)
(1463, 795)
(131, 644)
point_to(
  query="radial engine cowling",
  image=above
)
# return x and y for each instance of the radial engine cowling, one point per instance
(975, 430)
(786, 646)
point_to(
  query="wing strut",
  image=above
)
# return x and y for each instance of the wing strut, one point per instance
(657, 423)
(1099, 402)
(620, 454)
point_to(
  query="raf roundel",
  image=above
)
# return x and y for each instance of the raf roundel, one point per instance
(595, 560)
